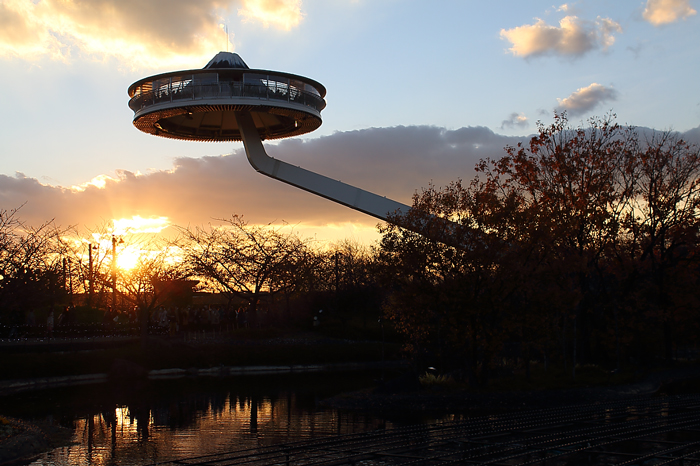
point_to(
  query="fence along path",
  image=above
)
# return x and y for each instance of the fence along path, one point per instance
(648, 430)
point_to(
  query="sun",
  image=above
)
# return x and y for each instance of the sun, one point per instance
(129, 254)
(128, 258)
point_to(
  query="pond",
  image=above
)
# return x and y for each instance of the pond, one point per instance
(145, 422)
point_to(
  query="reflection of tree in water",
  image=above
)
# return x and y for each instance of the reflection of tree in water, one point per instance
(183, 412)
(160, 421)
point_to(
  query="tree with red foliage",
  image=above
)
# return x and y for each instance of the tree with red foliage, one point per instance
(549, 246)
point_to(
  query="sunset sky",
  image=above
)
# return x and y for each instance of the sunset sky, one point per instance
(417, 92)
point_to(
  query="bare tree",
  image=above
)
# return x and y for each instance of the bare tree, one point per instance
(31, 266)
(143, 284)
(242, 260)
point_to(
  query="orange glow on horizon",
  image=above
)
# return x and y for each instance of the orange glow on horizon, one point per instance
(137, 224)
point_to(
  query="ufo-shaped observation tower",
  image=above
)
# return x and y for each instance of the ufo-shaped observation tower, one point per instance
(227, 101)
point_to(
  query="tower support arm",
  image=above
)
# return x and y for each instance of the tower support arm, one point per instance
(334, 190)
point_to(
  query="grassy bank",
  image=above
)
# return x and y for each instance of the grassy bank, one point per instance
(22, 362)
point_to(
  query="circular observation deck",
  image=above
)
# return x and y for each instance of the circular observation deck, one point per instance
(199, 105)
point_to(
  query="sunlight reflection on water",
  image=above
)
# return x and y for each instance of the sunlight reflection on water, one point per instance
(196, 424)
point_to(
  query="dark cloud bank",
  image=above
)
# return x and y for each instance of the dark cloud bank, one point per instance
(394, 162)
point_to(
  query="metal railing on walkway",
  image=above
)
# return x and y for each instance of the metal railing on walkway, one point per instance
(266, 90)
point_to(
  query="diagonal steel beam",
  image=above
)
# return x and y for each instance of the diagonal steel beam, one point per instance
(334, 190)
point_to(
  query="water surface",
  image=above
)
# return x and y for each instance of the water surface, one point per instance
(147, 422)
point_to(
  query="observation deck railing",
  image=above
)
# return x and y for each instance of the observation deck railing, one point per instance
(273, 91)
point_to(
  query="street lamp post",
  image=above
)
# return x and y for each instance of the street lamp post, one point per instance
(91, 286)
(70, 279)
(114, 270)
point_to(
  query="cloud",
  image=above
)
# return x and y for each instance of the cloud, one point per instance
(574, 37)
(21, 32)
(142, 34)
(514, 120)
(138, 224)
(692, 136)
(565, 7)
(660, 12)
(283, 14)
(394, 162)
(586, 99)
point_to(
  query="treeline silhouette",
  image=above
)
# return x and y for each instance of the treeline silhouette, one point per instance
(216, 279)
(578, 247)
